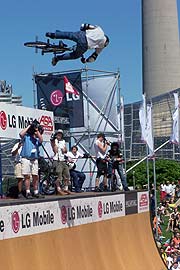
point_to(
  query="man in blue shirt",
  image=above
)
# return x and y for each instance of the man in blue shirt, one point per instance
(31, 140)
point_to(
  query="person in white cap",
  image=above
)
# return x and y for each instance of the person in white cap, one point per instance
(60, 166)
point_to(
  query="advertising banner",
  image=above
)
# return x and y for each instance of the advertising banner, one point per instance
(143, 201)
(15, 118)
(28, 219)
(33, 218)
(62, 94)
(131, 203)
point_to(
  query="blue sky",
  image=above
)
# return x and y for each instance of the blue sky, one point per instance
(21, 21)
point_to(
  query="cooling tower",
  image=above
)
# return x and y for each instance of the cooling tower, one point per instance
(160, 43)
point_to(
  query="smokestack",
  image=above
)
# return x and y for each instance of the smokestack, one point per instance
(160, 43)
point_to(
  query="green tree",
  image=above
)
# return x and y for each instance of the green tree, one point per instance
(165, 170)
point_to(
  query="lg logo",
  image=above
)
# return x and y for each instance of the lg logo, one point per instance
(3, 120)
(56, 97)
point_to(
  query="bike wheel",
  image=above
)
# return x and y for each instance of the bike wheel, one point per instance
(36, 44)
(48, 186)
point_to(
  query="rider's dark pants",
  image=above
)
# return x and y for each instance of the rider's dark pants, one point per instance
(119, 169)
(78, 37)
(78, 179)
(101, 167)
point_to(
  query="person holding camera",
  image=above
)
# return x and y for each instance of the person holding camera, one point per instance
(101, 145)
(31, 137)
(60, 166)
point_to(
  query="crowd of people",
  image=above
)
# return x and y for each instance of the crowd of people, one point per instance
(26, 152)
(166, 223)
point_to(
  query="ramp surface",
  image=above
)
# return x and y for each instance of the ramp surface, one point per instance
(124, 243)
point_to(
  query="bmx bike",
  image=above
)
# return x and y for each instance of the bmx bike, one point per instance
(47, 47)
(114, 180)
(47, 177)
(47, 183)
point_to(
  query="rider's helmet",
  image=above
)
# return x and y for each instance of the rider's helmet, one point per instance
(107, 41)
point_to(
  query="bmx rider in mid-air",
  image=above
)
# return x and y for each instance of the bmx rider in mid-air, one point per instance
(89, 37)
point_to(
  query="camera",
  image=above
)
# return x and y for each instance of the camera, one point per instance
(106, 141)
(53, 136)
(35, 125)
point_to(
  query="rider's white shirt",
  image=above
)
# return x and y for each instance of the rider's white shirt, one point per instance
(95, 38)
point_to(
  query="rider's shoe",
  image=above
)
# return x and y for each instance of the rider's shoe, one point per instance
(50, 35)
(62, 45)
(54, 61)
(126, 189)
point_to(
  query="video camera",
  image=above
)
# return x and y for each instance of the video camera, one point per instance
(35, 125)
(106, 141)
(53, 136)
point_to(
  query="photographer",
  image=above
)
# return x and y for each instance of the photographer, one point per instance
(31, 140)
(115, 162)
(101, 145)
(59, 162)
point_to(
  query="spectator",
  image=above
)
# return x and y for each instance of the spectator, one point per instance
(162, 191)
(161, 208)
(77, 177)
(171, 222)
(60, 166)
(174, 266)
(101, 145)
(173, 189)
(115, 162)
(31, 138)
(16, 152)
(165, 204)
(177, 192)
(157, 221)
(170, 249)
(168, 190)
(176, 240)
(163, 255)
(152, 203)
(170, 257)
